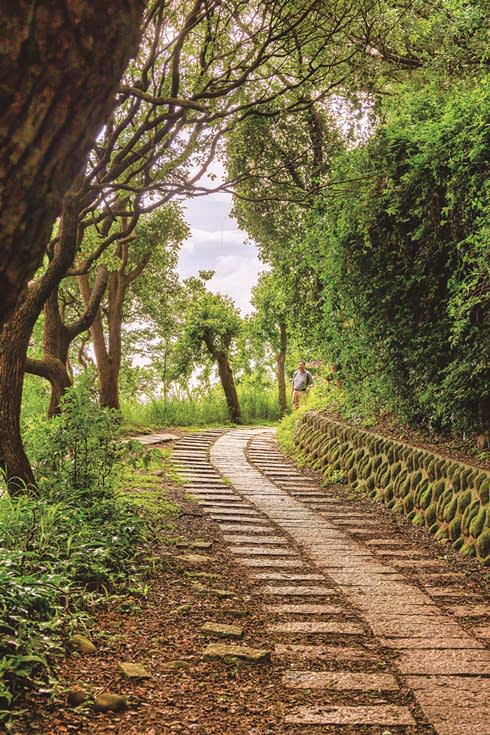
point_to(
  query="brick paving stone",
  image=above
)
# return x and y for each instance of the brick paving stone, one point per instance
(297, 591)
(248, 527)
(243, 519)
(309, 627)
(456, 705)
(217, 501)
(433, 577)
(306, 609)
(360, 530)
(381, 714)
(287, 577)
(419, 563)
(464, 641)
(448, 592)
(446, 662)
(482, 631)
(275, 563)
(324, 653)
(475, 611)
(402, 553)
(236, 512)
(386, 542)
(340, 681)
(218, 496)
(398, 626)
(220, 502)
(257, 551)
(349, 517)
(238, 539)
(358, 578)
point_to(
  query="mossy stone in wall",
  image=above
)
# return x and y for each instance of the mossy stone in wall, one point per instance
(419, 491)
(430, 514)
(450, 510)
(408, 503)
(377, 461)
(440, 468)
(389, 493)
(415, 479)
(418, 520)
(431, 470)
(478, 523)
(470, 512)
(425, 498)
(483, 543)
(479, 480)
(367, 468)
(441, 533)
(465, 479)
(464, 499)
(451, 469)
(456, 481)
(484, 491)
(454, 529)
(437, 489)
(395, 470)
(468, 549)
(404, 488)
(441, 503)
(458, 543)
(352, 475)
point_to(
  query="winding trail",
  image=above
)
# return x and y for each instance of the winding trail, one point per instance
(353, 609)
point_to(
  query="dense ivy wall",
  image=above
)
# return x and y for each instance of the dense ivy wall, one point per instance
(401, 246)
(450, 498)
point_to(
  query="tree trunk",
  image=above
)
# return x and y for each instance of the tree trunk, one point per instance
(58, 337)
(107, 355)
(14, 341)
(281, 370)
(229, 388)
(54, 370)
(60, 67)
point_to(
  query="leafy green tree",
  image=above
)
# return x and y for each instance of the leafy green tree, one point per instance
(404, 259)
(156, 242)
(269, 324)
(211, 324)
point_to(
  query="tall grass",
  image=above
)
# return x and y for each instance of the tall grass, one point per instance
(203, 408)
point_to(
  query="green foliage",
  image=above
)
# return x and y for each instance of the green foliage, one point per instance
(202, 407)
(78, 450)
(76, 539)
(403, 256)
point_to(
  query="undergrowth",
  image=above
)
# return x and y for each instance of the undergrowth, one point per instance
(203, 408)
(71, 544)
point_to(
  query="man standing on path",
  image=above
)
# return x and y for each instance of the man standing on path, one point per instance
(302, 379)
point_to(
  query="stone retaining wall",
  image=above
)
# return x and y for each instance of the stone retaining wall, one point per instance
(449, 497)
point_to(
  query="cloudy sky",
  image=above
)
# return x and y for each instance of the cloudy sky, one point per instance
(217, 244)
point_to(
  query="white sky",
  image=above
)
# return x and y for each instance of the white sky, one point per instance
(217, 244)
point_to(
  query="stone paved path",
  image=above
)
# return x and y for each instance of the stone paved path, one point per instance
(349, 595)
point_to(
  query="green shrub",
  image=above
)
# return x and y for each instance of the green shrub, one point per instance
(61, 548)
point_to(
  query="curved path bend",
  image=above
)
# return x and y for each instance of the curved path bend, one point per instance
(355, 594)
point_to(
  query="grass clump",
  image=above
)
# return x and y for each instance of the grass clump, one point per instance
(203, 408)
(70, 544)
